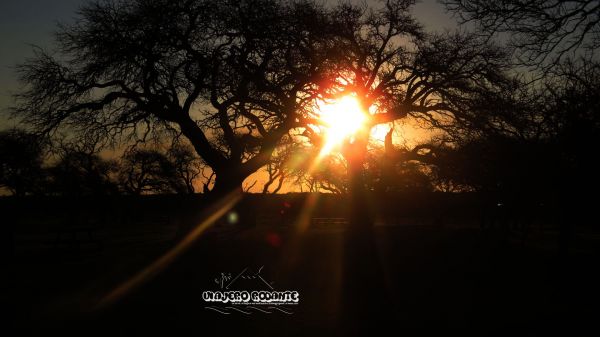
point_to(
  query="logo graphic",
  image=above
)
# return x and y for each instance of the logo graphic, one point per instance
(248, 292)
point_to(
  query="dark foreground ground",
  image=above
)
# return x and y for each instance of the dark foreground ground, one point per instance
(436, 278)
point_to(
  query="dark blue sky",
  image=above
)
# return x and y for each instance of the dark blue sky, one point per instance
(26, 22)
(22, 23)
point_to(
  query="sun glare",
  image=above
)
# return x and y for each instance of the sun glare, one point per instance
(342, 119)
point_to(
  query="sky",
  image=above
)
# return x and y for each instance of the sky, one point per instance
(23, 23)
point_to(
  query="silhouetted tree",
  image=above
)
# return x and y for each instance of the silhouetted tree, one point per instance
(330, 174)
(503, 165)
(232, 76)
(188, 167)
(277, 170)
(149, 171)
(394, 169)
(305, 167)
(81, 172)
(22, 156)
(541, 30)
(536, 154)
(276, 174)
(551, 128)
(572, 124)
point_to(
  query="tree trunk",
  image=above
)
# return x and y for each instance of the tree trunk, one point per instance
(361, 214)
(227, 182)
(364, 290)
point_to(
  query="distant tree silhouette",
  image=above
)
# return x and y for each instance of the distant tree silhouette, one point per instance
(312, 171)
(298, 167)
(394, 169)
(543, 31)
(331, 174)
(502, 165)
(232, 76)
(277, 175)
(278, 170)
(81, 172)
(146, 171)
(22, 156)
(570, 108)
(188, 167)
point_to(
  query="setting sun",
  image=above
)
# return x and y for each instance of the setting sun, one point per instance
(342, 119)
